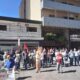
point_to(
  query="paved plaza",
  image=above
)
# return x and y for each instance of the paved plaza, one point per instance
(50, 73)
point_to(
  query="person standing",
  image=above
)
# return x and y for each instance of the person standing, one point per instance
(17, 60)
(42, 59)
(76, 57)
(45, 57)
(24, 56)
(79, 55)
(71, 56)
(59, 61)
(38, 57)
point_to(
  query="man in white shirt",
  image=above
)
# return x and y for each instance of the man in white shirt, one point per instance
(71, 56)
(76, 57)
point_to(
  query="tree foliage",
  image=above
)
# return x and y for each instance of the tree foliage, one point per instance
(55, 37)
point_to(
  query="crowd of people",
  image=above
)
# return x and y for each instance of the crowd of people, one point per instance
(60, 57)
(41, 57)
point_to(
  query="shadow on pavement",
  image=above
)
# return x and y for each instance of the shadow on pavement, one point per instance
(70, 71)
(22, 78)
(31, 68)
(49, 70)
(27, 69)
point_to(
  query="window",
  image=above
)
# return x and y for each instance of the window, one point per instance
(65, 17)
(72, 18)
(3, 28)
(31, 29)
(52, 0)
(64, 2)
(51, 16)
(7, 44)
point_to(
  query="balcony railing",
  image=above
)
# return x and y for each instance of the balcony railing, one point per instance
(48, 4)
(75, 37)
(60, 22)
(15, 35)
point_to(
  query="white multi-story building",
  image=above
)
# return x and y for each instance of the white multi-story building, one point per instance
(13, 29)
(61, 17)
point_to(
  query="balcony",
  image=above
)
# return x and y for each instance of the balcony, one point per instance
(47, 4)
(60, 22)
(75, 37)
(24, 36)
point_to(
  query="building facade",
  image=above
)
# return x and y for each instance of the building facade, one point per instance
(12, 29)
(30, 10)
(60, 17)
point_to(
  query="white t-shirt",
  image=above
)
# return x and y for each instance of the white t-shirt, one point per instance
(76, 53)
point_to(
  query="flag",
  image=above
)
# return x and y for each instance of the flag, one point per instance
(25, 46)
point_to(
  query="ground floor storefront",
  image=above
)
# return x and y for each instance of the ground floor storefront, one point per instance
(52, 37)
(61, 37)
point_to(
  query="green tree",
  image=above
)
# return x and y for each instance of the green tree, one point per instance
(50, 36)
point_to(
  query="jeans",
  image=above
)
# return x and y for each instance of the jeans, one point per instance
(71, 61)
(76, 60)
(59, 67)
(17, 64)
(25, 64)
(42, 63)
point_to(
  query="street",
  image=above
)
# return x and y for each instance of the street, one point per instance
(50, 73)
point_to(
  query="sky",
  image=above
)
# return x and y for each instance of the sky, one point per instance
(9, 8)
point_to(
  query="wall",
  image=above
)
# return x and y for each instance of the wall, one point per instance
(35, 10)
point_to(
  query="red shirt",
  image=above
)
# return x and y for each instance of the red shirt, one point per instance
(59, 58)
